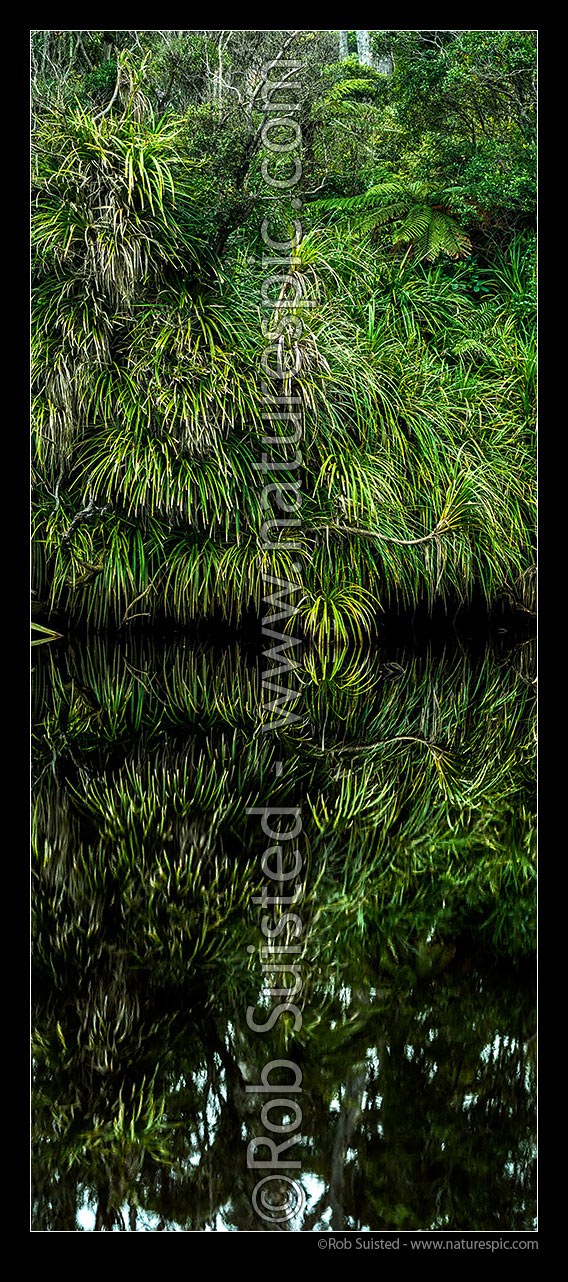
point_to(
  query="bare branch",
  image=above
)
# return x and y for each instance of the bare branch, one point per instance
(113, 99)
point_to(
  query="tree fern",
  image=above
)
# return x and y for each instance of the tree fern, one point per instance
(423, 214)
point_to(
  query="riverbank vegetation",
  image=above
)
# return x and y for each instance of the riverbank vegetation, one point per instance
(406, 738)
(415, 278)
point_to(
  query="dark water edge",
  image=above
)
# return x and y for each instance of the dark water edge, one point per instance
(475, 622)
(417, 1039)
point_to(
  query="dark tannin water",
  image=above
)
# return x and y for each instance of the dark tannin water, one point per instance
(283, 976)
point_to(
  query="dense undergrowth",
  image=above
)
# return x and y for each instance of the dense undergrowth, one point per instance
(154, 727)
(416, 394)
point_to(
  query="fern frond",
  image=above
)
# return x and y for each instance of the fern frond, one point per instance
(428, 226)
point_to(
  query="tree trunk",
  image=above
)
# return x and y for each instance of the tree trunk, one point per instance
(351, 1107)
(385, 64)
(343, 45)
(364, 49)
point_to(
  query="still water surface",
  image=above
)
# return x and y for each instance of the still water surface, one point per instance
(402, 1011)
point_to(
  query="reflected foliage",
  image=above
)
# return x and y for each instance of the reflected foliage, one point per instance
(417, 1041)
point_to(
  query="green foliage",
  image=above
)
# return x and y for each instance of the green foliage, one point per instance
(464, 106)
(416, 395)
(148, 340)
(162, 465)
(424, 224)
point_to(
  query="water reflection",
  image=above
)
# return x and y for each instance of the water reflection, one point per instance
(416, 1046)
